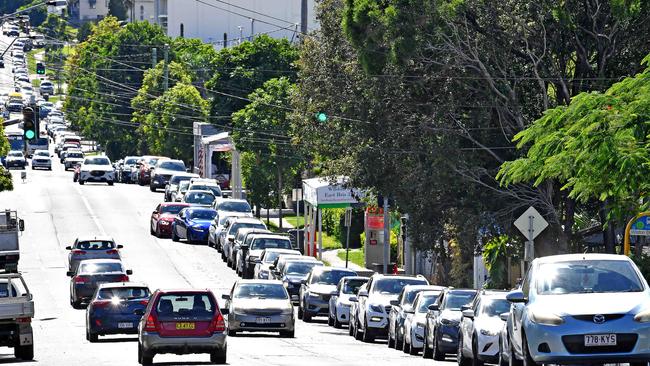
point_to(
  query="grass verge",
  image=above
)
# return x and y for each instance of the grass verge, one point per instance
(31, 61)
(296, 222)
(356, 256)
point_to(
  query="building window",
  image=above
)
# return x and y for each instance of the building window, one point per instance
(141, 12)
(92, 4)
(182, 30)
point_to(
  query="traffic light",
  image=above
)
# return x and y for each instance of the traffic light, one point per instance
(29, 124)
(40, 68)
(321, 117)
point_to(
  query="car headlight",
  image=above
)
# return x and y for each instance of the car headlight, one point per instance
(450, 322)
(314, 296)
(287, 311)
(643, 317)
(376, 308)
(264, 275)
(545, 318)
(252, 258)
(489, 332)
(198, 228)
(164, 222)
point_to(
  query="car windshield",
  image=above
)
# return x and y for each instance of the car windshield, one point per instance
(587, 276)
(97, 161)
(270, 257)
(95, 245)
(202, 198)
(100, 267)
(331, 277)
(182, 187)
(173, 165)
(16, 154)
(263, 243)
(123, 293)
(258, 290)
(454, 300)
(410, 297)
(234, 206)
(395, 285)
(495, 307)
(179, 178)
(425, 301)
(172, 209)
(242, 225)
(352, 286)
(212, 188)
(202, 214)
(130, 161)
(185, 305)
(42, 153)
(299, 268)
(75, 155)
(152, 161)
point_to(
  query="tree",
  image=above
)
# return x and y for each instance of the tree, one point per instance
(6, 183)
(119, 9)
(36, 16)
(85, 31)
(263, 129)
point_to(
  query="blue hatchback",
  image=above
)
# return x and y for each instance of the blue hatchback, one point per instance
(193, 223)
(116, 308)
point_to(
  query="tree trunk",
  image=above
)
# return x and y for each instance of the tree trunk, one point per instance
(609, 227)
(280, 196)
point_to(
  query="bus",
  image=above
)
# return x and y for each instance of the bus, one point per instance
(16, 140)
(40, 143)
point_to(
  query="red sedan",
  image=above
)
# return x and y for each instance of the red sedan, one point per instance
(162, 218)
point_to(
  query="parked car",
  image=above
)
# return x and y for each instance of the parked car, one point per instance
(192, 223)
(260, 306)
(42, 159)
(232, 205)
(580, 308)
(16, 313)
(398, 313)
(96, 169)
(15, 159)
(206, 186)
(179, 193)
(163, 171)
(242, 238)
(281, 261)
(262, 270)
(126, 168)
(294, 272)
(443, 319)
(339, 306)
(199, 198)
(182, 322)
(228, 239)
(72, 158)
(219, 224)
(249, 254)
(112, 309)
(374, 304)
(144, 168)
(480, 326)
(317, 289)
(90, 274)
(102, 247)
(175, 179)
(163, 217)
(414, 323)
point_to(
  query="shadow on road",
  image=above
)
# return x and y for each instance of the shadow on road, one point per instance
(117, 340)
(9, 358)
(184, 363)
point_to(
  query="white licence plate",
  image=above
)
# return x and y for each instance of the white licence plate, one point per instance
(264, 320)
(598, 340)
(124, 325)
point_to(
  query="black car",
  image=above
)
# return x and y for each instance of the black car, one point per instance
(443, 321)
(90, 274)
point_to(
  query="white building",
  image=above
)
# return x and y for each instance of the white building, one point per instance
(208, 20)
(87, 10)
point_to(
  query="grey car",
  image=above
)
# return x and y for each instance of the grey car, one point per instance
(318, 288)
(163, 171)
(182, 322)
(262, 270)
(260, 306)
(580, 308)
(251, 251)
(398, 313)
(102, 247)
(173, 182)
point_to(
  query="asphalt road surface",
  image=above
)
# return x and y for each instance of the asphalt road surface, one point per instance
(56, 211)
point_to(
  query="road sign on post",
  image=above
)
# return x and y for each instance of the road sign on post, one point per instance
(530, 223)
(639, 225)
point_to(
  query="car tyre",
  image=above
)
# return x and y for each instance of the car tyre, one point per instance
(81, 182)
(475, 360)
(232, 333)
(512, 359)
(152, 188)
(330, 321)
(25, 353)
(527, 359)
(144, 358)
(110, 182)
(219, 357)
(287, 334)
(91, 337)
(406, 348)
(367, 338)
(350, 329)
(337, 324)
(151, 232)
(175, 237)
(437, 354)
(358, 335)
(460, 357)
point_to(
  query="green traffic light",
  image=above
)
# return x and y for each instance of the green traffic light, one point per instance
(30, 134)
(322, 117)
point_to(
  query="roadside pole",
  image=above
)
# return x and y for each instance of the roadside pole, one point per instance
(166, 67)
(154, 57)
(386, 235)
(348, 223)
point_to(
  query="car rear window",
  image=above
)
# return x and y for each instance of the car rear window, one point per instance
(123, 293)
(243, 225)
(300, 268)
(352, 286)
(395, 285)
(185, 305)
(331, 277)
(5, 289)
(202, 214)
(202, 198)
(202, 187)
(100, 268)
(270, 257)
(179, 178)
(264, 243)
(173, 165)
(260, 291)
(234, 206)
(95, 245)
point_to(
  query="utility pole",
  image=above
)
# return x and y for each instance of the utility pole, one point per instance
(386, 235)
(154, 57)
(303, 17)
(225, 39)
(166, 68)
(241, 33)
(252, 30)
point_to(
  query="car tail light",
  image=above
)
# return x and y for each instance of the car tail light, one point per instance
(123, 278)
(152, 324)
(111, 251)
(24, 320)
(78, 252)
(81, 279)
(100, 303)
(217, 324)
(144, 302)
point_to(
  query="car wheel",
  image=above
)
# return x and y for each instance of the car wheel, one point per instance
(512, 359)
(399, 342)
(412, 350)
(232, 333)
(330, 321)
(502, 361)
(152, 188)
(81, 182)
(151, 232)
(405, 346)
(358, 335)
(426, 350)
(391, 340)
(306, 317)
(437, 354)
(527, 359)
(219, 357)
(475, 360)
(174, 236)
(300, 314)
(351, 328)
(460, 357)
(33, 168)
(337, 324)
(91, 337)
(110, 182)
(287, 334)
(25, 353)
(367, 338)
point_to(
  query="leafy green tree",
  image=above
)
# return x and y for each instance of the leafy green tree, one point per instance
(263, 129)
(85, 31)
(36, 16)
(6, 183)
(118, 9)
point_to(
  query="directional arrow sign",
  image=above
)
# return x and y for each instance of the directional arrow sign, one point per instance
(531, 223)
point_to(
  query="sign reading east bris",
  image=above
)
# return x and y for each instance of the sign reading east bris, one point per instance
(641, 226)
(323, 192)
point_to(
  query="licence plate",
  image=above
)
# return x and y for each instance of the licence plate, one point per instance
(182, 326)
(124, 325)
(598, 340)
(264, 320)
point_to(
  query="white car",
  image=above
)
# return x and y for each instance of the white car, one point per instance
(73, 158)
(415, 321)
(262, 269)
(339, 309)
(480, 327)
(41, 159)
(96, 169)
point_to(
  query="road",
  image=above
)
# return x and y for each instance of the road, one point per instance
(56, 211)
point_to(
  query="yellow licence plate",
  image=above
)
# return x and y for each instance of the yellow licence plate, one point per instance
(180, 326)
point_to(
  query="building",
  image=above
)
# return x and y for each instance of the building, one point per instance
(209, 20)
(87, 10)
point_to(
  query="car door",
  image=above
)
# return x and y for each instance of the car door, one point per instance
(180, 224)
(467, 328)
(517, 314)
(304, 290)
(154, 218)
(394, 315)
(363, 300)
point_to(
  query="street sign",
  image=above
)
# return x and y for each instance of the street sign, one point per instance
(641, 226)
(531, 223)
(348, 217)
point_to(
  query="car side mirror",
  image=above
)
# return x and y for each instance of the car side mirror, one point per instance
(272, 267)
(469, 313)
(139, 312)
(303, 282)
(354, 299)
(224, 311)
(68, 248)
(516, 296)
(434, 307)
(225, 297)
(504, 316)
(410, 311)
(154, 213)
(21, 224)
(120, 246)
(129, 272)
(394, 302)
(465, 307)
(363, 293)
(69, 273)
